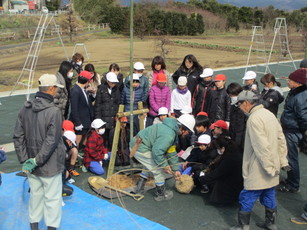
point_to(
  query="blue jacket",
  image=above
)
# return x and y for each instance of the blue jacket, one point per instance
(143, 84)
(125, 97)
(294, 116)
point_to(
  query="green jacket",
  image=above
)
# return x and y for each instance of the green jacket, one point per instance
(158, 139)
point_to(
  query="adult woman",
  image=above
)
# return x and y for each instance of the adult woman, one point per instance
(64, 76)
(95, 79)
(115, 69)
(271, 95)
(191, 69)
(158, 66)
(224, 173)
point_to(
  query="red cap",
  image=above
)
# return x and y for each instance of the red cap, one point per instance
(161, 77)
(124, 119)
(220, 123)
(67, 125)
(85, 74)
(202, 113)
(220, 77)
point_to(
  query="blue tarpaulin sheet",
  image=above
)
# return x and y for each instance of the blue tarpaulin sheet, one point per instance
(81, 211)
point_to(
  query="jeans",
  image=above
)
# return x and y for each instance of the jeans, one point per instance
(248, 198)
(293, 139)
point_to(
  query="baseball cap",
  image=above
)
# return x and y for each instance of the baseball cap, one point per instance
(202, 114)
(70, 135)
(86, 74)
(203, 139)
(111, 77)
(249, 75)
(161, 77)
(68, 125)
(136, 77)
(207, 72)
(49, 80)
(182, 80)
(247, 95)
(220, 77)
(139, 66)
(97, 123)
(220, 123)
(162, 111)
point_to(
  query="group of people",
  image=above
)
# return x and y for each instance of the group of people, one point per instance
(228, 139)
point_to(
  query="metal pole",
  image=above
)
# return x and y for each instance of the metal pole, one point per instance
(131, 69)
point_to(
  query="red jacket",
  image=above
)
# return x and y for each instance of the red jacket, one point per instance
(94, 149)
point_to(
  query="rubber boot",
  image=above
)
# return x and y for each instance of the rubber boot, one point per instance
(243, 221)
(140, 186)
(270, 220)
(162, 194)
(34, 226)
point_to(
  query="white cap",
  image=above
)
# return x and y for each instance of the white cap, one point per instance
(70, 135)
(49, 80)
(162, 111)
(97, 123)
(204, 139)
(187, 109)
(111, 77)
(249, 75)
(139, 66)
(188, 121)
(207, 72)
(182, 81)
(136, 77)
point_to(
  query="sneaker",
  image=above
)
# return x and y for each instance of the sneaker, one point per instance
(288, 188)
(299, 219)
(205, 189)
(71, 181)
(73, 172)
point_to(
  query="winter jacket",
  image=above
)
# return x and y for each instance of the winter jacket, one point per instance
(94, 149)
(226, 178)
(143, 84)
(138, 95)
(272, 98)
(38, 134)
(237, 126)
(61, 97)
(106, 105)
(294, 116)
(265, 150)
(179, 101)
(158, 139)
(152, 78)
(218, 105)
(81, 108)
(199, 98)
(68, 84)
(192, 76)
(159, 97)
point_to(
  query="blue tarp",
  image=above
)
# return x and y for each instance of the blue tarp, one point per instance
(81, 211)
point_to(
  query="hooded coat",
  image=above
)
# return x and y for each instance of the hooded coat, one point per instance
(157, 139)
(38, 133)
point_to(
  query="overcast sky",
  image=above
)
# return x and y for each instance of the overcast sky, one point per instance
(280, 4)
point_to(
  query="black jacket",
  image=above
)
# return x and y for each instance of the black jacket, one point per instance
(218, 105)
(192, 76)
(106, 105)
(271, 99)
(199, 97)
(237, 126)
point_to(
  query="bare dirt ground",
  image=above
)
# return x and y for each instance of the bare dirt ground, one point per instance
(104, 51)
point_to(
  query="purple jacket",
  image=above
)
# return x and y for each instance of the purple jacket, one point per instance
(159, 97)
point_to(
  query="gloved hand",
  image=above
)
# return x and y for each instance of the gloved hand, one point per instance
(106, 156)
(286, 168)
(202, 173)
(100, 162)
(79, 128)
(29, 165)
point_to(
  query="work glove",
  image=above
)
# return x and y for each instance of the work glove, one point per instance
(286, 168)
(106, 156)
(202, 173)
(29, 165)
(79, 128)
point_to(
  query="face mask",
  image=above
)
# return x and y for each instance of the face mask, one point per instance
(101, 131)
(79, 63)
(234, 100)
(70, 75)
(140, 74)
(266, 88)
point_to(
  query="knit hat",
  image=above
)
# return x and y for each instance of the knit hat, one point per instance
(161, 77)
(204, 139)
(220, 77)
(298, 76)
(68, 125)
(182, 81)
(249, 75)
(303, 63)
(207, 72)
(221, 124)
(85, 74)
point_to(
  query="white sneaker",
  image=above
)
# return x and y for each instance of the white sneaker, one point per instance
(71, 181)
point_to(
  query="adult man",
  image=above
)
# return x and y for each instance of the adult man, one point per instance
(264, 155)
(39, 146)
(156, 151)
(294, 124)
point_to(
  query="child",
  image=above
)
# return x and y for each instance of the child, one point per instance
(202, 124)
(250, 82)
(95, 152)
(159, 96)
(2, 158)
(180, 97)
(218, 128)
(218, 104)
(203, 87)
(162, 114)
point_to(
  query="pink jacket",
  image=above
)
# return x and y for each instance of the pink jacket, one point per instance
(159, 97)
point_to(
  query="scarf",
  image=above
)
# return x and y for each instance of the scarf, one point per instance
(182, 91)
